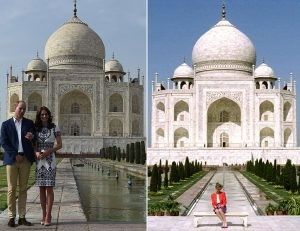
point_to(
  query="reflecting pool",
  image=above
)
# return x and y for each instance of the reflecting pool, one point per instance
(107, 195)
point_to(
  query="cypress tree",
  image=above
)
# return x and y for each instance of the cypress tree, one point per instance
(274, 171)
(143, 152)
(201, 166)
(119, 154)
(181, 171)
(114, 152)
(137, 149)
(153, 180)
(127, 152)
(173, 173)
(159, 176)
(166, 179)
(293, 179)
(187, 167)
(287, 175)
(131, 153)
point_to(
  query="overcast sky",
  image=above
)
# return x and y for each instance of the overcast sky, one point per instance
(25, 27)
(273, 27)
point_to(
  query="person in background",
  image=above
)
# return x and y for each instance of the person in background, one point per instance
(17, 134)
(219, 201)
(48, 141)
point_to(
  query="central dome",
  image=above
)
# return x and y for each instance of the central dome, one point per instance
(224, 47)
(74, 45)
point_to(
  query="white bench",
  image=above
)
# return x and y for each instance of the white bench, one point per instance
(199, 215)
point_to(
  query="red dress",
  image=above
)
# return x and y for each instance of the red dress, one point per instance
(221, 204)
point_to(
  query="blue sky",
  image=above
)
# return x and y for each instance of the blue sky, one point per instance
(26, 25)
(273, 27)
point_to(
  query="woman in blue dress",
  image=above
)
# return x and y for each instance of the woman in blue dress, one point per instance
(48, 141)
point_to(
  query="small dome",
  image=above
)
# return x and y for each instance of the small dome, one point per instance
(113, 65)
(264, 71)
(74, 44)
(224, 47)
(183, 71)
(36, 64)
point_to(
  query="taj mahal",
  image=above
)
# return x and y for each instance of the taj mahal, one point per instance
(224, 108)
(92, 100)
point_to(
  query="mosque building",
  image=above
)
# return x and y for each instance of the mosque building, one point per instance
(93, 102)
(223, 108)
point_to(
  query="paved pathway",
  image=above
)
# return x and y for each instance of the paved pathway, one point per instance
(67, 212)
(237, 201)
(236, 198)
(189, 195)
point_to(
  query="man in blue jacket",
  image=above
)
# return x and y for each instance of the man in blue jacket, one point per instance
(16, 140)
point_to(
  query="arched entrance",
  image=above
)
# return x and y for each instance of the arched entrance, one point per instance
(224, 124)
(75, 115)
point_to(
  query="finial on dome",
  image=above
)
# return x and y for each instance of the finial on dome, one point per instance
(75, 9)
(37, 53)
(113, 55)
(263, 61)
(223, 12)
(184, 59)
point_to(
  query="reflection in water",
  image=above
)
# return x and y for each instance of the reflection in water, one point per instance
(106, 195)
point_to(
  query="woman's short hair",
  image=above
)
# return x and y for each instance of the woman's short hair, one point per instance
(219, 186)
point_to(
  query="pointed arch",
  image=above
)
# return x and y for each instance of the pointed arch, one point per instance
(14, 98)
(115, 127)
(116, 103)
(160, 112)
(267, 137)
(181, 111)
(287, 111)
(181, 137)
(75, 108)
(34, 101)
(266, 111)
(224, 114)
(135, 129)
(135, 104)
(288, 139)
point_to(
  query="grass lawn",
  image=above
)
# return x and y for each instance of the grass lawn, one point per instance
(176, 189)
(275, 192)
(3, 183)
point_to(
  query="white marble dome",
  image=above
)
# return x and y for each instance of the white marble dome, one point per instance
(36, 64)
(113, 65)
(183, 71)
(224, 47)
(264, 71)
(74, 44)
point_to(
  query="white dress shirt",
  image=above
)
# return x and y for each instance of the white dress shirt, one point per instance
(18, 125)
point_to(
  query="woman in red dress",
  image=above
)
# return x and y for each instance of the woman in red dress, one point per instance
(218, 201)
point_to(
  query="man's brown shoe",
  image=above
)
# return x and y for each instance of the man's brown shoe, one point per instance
(22, 221)
(11, 222)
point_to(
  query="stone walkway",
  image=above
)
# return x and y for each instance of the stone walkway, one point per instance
(67, 212)
(189, 195)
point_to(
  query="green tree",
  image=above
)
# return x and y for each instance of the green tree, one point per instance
(131, 153)
(187, 167)
(159, 176)
(153, 180)
(293, 179)
(287, 174)
(173, 173)
(127, 152)
(119, 155)
(137, 149)
(143, 152)
(166, 179)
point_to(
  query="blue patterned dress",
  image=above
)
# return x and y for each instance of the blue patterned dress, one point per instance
(46, 167)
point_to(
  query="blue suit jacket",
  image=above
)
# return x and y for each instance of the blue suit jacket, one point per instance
(10, 143)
